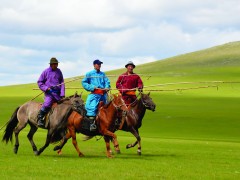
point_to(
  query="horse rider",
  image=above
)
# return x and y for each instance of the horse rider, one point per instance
(51, 82)
(98, 84)
(128, 82)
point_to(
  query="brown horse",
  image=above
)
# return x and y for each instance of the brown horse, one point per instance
(27, 114)
(105, 122)
(133, 120)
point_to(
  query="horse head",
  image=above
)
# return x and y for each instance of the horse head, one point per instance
(148, 102)
(119, 103)
(77, 102)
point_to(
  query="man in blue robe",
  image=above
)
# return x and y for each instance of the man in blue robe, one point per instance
(98, 84)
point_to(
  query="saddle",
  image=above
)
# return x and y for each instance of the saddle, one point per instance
(86, 122)
(46, 119)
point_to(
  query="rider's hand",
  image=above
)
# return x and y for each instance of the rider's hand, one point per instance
(49, 90)
(106, 89)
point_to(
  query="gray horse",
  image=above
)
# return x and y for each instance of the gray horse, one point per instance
(27, 114)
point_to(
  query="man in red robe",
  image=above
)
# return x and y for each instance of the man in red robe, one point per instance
(128, 83)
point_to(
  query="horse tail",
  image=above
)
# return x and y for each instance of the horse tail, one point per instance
(12, 123)
(61, 129)
(86, 138)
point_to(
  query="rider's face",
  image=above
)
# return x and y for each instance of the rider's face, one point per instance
(130, 68)
(54, 66)
(97, 67)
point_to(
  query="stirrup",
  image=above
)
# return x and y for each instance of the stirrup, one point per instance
(93, 127)
(41, 124)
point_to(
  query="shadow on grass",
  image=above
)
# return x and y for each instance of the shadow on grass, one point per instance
(118, 156)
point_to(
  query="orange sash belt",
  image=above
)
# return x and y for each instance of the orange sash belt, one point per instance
(98, 91)
(131, 93)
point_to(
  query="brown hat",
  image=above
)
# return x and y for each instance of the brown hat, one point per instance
(53, 60)
(130, 63)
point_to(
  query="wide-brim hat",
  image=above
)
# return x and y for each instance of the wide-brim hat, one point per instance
(130, 63)
(53, 60)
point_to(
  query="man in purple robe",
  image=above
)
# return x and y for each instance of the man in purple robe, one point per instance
(51, 82)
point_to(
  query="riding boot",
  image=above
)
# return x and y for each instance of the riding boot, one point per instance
(93, 126)
(41, 118)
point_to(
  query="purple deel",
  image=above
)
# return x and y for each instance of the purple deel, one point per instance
(50, 79)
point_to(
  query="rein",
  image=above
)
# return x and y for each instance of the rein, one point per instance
(145, 104)
(133, 101)
(118, 106)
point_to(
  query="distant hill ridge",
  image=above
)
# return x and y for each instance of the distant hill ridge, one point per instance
(217, 56)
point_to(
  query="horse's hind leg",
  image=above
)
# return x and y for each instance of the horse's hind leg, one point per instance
(30, 137)
(63, 142)
(16, 132)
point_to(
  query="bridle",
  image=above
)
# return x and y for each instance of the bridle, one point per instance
(145, 104)
(118, 107)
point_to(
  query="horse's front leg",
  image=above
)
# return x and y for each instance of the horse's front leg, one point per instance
(48, 140)
(107, 141)
(74, 142)
(136, 134)
(114, 140)
(116, 146)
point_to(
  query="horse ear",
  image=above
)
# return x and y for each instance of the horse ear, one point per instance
(80, 94)
(75, 95)
(149, 93)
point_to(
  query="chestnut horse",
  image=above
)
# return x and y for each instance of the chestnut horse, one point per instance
(27, 114)
(105, 122)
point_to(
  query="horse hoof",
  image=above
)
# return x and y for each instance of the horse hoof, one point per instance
(139, 153)
(15, 151)
(36, 153)
(81, 155)
(59, 152)
(56, 148)
(118, 151)
(128, 146)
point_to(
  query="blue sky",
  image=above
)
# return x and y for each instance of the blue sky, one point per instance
(79, 31)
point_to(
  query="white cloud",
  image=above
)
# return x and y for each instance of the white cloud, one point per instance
(77, 32)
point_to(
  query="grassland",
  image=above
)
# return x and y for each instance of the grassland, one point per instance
(193, 134)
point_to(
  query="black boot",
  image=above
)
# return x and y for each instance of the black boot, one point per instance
(41, 118)
(93, 126)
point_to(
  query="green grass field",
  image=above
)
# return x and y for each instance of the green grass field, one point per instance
(193, 134)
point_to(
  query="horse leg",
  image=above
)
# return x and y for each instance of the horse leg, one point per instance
(107, 141)
(74, 142)
(16, 132)
(48, 140)
(116, 146)
(136, 134)
(114, 140)
(63, 142)
(30, 137)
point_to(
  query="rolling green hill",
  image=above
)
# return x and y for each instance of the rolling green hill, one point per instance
(193, 134)
(201, 113)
